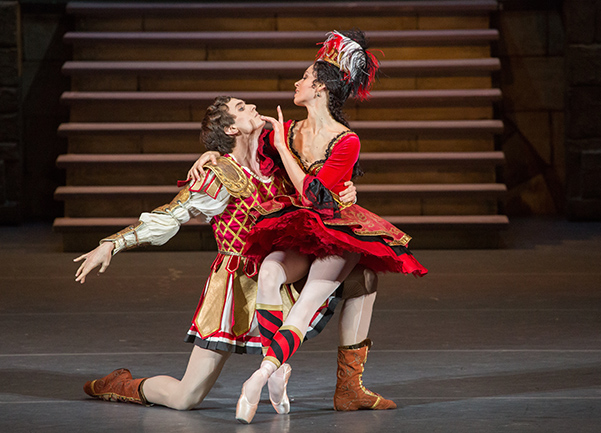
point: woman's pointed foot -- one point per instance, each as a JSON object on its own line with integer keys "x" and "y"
{"x": 245, "y": 411}
{"x": 277, "y": 389}
{"x": 250, "y": 396}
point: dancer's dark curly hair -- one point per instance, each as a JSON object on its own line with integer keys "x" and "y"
{"x": 216, "y": 119}
{"x": 339, "y": 89}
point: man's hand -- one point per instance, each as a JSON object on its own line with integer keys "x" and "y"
{"x": 99, "y": 256}
{"x": 349, "y": 195}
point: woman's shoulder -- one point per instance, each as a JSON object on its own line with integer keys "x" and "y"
{"x": 346, "y": 136}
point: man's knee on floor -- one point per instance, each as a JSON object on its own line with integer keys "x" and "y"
{"x": 186, "y": 401}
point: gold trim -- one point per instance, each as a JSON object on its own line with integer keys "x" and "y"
{"x": 342, "y": 205}
{"x": 269, "y": 307}
{"x": 404, "y": 240}
{"x": 385, "y": 234}
{"x": 331, "y": 56}
{"x": 120, "y": 235}
{"x": 367, "y": 342}
{"x": 294, "y": 329}
{"x": 273, "y": 360}
{"x": 182, "y": 196}
{"x": 142, "y": 395}
{"x": 213, "y": 189}
{"x": 232, "y": 177}
{"x": 378, "y": 399}
{"x": 230, "y": 253}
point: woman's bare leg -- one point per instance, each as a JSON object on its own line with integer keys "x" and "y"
{"x": 204, "y": 367}
{"x": 324, "y": 277}
{"x": 279, "y": 267}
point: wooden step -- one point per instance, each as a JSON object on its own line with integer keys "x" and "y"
{"x": 294, "y": 9}
{"x": 69, "y": 225}
{"x": 66, "y": 225}
{"x": 365, "y": 129}
{"x": 437, "y": 222}
{"x": 282, "y": 39}
{"x": 377, "y": 160}
{"x": 378, "y": 99}
{"x": 167, "y": 192}
{"x": 276, "y": 69}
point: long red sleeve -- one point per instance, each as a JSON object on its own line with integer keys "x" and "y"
{"x": 338, "y": 168}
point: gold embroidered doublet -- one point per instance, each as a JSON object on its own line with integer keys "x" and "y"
{"x": 247, "y": 191}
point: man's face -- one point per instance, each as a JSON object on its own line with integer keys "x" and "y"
{"x": 246, "y": 117}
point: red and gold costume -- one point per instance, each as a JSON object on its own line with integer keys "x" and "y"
{"x": 317, "y": 223}
{"x": 225, "y": 316}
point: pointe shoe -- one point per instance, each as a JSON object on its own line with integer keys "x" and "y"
{"x": 245, "y": 410}
{"x": 275, "y": 381}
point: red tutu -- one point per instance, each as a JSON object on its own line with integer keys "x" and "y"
{"x": 284, "y": 223}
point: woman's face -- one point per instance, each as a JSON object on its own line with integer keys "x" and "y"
{"x": 246, "y": 117}
{"x": 305, "y": 87}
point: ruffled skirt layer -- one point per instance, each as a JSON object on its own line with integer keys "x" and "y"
{"x": 284, "y": 223}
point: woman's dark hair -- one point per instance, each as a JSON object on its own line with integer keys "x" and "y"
{"x": 216, "y": 119}
{"x": 338, "y": 88}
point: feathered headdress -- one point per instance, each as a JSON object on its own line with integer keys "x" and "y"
{"x": 358, "y": 65}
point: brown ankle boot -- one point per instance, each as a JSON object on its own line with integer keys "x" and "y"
{"x": 350, "y": 393}
{"x": 117, "y": 386}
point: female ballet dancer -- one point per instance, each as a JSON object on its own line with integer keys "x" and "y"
{"x": 312, "y": 231}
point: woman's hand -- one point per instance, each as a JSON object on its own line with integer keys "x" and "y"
{"x": 196, "y": 173}
{"x": 349, "y": 195}
{"x": 278, "y": 130}
{"x": 101, "y": 255}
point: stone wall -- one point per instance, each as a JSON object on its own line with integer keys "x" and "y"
{"x": 43, "y": 27}
{"x": 10, "y": 137}
{"x": 531, "y": 50}
{"x": 583, "y": 110}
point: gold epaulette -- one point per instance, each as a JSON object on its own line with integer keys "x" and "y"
{"x": 232, "y": 177}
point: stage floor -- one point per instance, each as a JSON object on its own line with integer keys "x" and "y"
{"x": 504, "y": 340}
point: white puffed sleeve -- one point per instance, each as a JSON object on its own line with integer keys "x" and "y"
{"x": 160, "y": 225}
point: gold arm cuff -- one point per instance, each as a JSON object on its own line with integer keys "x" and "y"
{"x": 120, "y": 240}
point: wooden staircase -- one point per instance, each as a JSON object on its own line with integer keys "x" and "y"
{"x": 143, "y": 74}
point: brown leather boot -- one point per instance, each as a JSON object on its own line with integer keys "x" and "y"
{"x": 117, "y": 386}
{"x": 350, "y": 393}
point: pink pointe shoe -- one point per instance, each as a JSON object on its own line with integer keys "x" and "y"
{"x": 245, "y": 410}
{"x": 277, "y": 384}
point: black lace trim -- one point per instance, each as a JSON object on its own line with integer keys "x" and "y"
{"x": 329, "y": 149}
{"x": 320, "y": 197}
